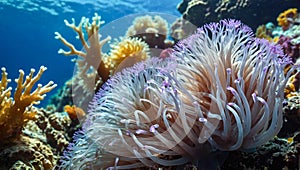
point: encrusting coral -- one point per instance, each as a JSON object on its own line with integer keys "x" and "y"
{"x": 16, "y": 110}
{"x": 41, "y": 142}
{"x": 200, "y": 12}
{"x": 27, "y": 153}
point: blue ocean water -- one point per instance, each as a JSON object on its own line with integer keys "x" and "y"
{"x": 27, "y": 31}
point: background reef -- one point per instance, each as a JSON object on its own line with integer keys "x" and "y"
{"x": 28, "y": 28}
{"x": 42, "y": 133}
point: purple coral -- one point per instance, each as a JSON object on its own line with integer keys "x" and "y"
{"x": 289, "y": 48}
{"x": 238, "y": 82}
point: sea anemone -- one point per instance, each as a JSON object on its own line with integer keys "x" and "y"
{"x": 137, "y": 120}
{"x": 238, "y": 82}
{"x": 125, "y": 53}
{"x": 220, "y": 89}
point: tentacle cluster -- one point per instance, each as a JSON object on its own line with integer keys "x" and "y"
{"x": 221, "y": 88}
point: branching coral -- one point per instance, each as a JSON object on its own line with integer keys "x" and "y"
{"x": 14, "y": 112}
{"x": 91, "y": 71}
{"x": 93, "y": 48}
{"x": 91, "y": 64}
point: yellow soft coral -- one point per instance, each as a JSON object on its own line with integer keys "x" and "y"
{"x": 261, "y": 32}
{"x": 126, "y": 53}
{"x": 290, "y": 87}
{"x": 14, "y": 112}
{"x": 284, "y": 17}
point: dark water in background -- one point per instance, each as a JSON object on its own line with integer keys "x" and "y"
{"x": 27, "y": 31}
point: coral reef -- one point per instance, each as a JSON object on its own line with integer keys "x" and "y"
{"x": 27, "y": 153}
{"x": 207, "y": 96}
{"x": 16, "y": 111}
{"x": 190, "y": 108}
{"x": 30, "y": 139}
{"x": 95, "y": 67}
{"x": 276, "y": 154}
{"x": 200, "y": 12}
{"x": 40, "y": 143}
